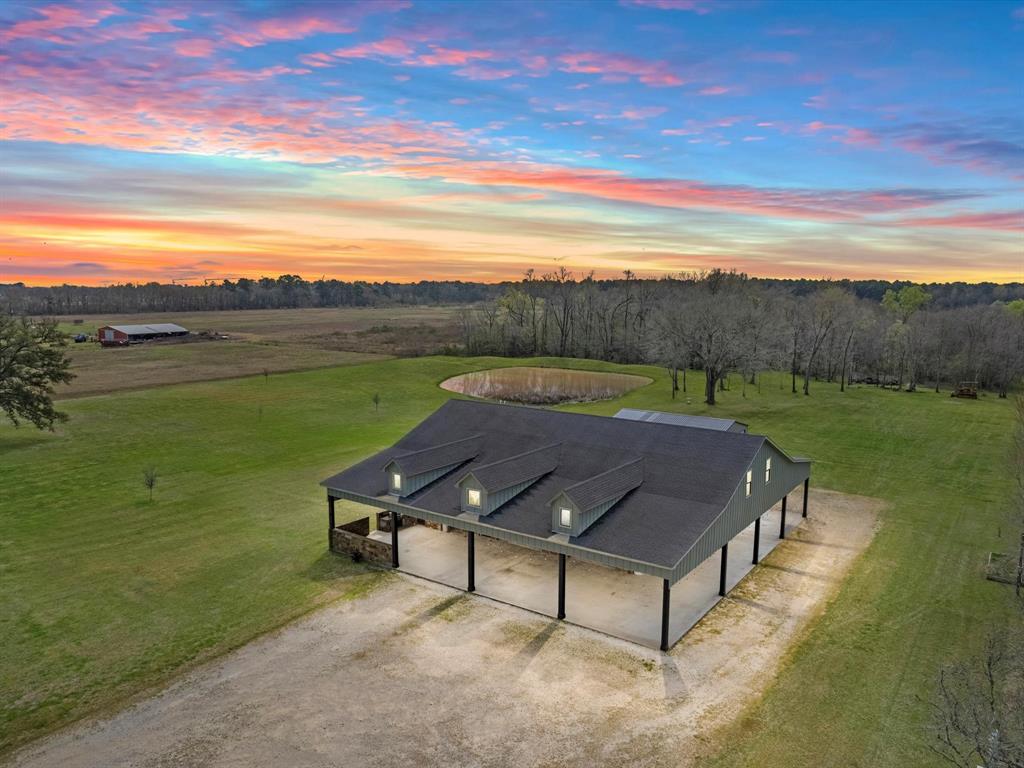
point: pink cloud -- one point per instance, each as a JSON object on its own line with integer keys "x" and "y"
{"x": 1010, "y": 221}
{"x": 618, "y": 67}
{"x": 635, "y": 113}
{"x": 860, "y": 137}
{"x": 451, "y": 57}
{"x": 810, "y": 204}
{"x": 694, "y": 6}
{"x": 391, "y": 47}
{"x": 714, "y": 90}
{"x": 57, "y": 18}
{"x": 477, "y": 72}
{"x": 194, "y": 47}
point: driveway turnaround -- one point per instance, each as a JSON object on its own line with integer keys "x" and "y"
{"x": 619, "y": 603}
{"x": 417, "y": 673}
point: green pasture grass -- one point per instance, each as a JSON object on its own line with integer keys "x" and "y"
{"x": 106, "y": 594}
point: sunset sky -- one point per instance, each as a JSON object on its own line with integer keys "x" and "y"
{"x": 420, "y": 140}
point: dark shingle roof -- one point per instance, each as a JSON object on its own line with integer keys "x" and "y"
{"x": 611, "y": 484}
{"x": 436, "y": 457}
{"x": 689, "y": 475}
{"x": 504, "y": 473}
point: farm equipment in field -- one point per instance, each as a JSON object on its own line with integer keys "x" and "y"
{"x": 968, "y": 389}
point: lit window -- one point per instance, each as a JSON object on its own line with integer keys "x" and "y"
{"x": 565, "y": 517}
{"x": 750, "y": 480}
{"x": 473, "y": 497}
{"x": 767, "y": 471}
{"x": 396, "y": 481}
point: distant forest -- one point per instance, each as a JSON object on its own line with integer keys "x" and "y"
{"x": 291, "y": 292}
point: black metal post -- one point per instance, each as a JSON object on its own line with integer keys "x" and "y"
{"x": 330, "y": 519}
{"x": 807, "y": 486}
{"x": 757, "y": 539}
{"x": 471, "y": 557}
{"x": 561, "y": 585}
{"x": 396, "y": 520}
{"x": 782, "y": 525}
{"x": 666, "y": 594}
{"x": 722, "y": 573}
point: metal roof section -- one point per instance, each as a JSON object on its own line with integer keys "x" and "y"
{"x": 142, "y": 330}
{"x": 448, "y": 454}
{"x": 681, "y": 420}
{"x": 521, "y": 468}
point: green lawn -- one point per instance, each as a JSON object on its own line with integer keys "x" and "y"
{"x": 106, "y": 594}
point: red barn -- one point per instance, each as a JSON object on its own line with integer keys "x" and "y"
{"x": 120, "y": 335}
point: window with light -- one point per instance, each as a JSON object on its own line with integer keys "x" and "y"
{"x": 565, "y": 517}
{"x": 396, "y": 481}
{"x": 750, "y": 480}
{"x": 767, "y": 471}
{"x": 473, "y": 497}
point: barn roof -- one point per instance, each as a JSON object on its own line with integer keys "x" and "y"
{"x": 142, "y": 330}
{"x": 688, "y": 474}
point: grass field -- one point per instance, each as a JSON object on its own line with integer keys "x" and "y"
{"x": 106, "y": 594}
{"x": 274, "y": 340}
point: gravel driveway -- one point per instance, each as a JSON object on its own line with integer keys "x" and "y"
{"x": 419, "y": 674}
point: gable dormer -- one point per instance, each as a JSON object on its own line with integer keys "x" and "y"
{"x": 579, "y": 506}
{"x": 409, "y": 471}
{"x": 485, "y": 488}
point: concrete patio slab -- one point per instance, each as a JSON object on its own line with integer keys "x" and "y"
{"x": 617, "y": 603}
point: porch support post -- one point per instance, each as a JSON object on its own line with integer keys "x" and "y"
{"x": 666, "y": 595}
{"x": 471, "y": 559}
{"x": 722, "y": 572}
{"x": 330, "y": 519}
{"x": 782, "y": 525}
{"x": 396, "y": 520}
{"x": 561, "y": 585}
{"x": 757, "y": 538}
{"x": 807, "y": 485}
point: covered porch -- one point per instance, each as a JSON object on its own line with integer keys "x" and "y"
{"x": 639, "y": 608}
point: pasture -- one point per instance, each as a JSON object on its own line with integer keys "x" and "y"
{"x": 107, "y": 594}
{"x": 274, "y": 340}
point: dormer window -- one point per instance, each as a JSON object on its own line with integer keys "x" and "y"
{"x": 473, "y": 497}
{"x": 767, "y": 471}
{"x": 396, "y": 481}
{"x": 750, "y": 481}
{"x": 565, "y": 517}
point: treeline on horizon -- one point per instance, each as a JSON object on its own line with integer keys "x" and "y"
{"x": 725, "y": 324}
{"x": 293, "y": 292}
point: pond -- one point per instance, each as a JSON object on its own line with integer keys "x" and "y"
{"x": 543, "y": 386}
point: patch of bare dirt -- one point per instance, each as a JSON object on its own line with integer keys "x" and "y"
{"x": 420, "y": 674}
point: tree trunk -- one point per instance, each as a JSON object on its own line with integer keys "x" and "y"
{"x": 710, "y": 380}
{"x": 684, "y": 379}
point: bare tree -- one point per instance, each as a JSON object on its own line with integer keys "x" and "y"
{"x": 978, "y": 709}
{"x": 821, "y": 310}
{"x": 149, "y": 480}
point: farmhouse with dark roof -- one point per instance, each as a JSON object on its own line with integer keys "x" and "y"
{"x": 641, "y": 496}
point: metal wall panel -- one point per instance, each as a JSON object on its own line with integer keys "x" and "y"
{"x": 742, "y": 510}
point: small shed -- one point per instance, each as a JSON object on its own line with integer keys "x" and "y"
{"x": 120, "y": 335}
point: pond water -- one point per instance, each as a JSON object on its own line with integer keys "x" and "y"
{"x": 543, "y": 386}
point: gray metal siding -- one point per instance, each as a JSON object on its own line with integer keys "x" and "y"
{"x": 412, "y": 483}
{"x": 742, "y": 510}
{"x": 512, "y": 537}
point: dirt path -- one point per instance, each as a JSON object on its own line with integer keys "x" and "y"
{"x": 419, "y": 674}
